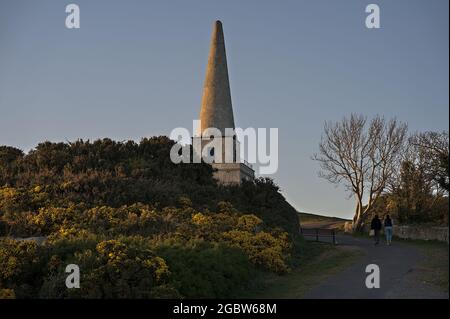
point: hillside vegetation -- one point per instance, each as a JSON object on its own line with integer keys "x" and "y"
{"x": 137, "y": 225}
{"x": 309, "y": 220}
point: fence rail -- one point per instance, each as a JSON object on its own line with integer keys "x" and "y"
{"x": 318, "y": 233}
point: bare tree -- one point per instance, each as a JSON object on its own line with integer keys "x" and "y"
{"x": 363, "y": 156}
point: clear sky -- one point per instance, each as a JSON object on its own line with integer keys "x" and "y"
{"x": 136, "y": 69}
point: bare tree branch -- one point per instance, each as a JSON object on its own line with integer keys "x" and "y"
{"x": 361, "y": 155}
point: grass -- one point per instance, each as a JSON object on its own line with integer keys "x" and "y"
{"x": 315, "y": 263}
{"x": 435, "y": 267}
{"x": 316, "y": 221}
{"x": 312, "y": 218}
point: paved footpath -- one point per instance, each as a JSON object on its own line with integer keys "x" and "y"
{"x": 398, "y": 267}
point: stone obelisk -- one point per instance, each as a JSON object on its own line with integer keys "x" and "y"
{"x": 217, "y": 113}
{"x": 217, "y": 110}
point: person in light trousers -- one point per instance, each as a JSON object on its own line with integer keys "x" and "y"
{"x": 388, "y": 229}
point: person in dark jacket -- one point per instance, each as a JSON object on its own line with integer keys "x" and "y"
{"x": 388, "y": 229}
{"x": 375, "y": 225}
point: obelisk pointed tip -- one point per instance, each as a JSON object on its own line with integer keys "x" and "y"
{"x": 218, "y": 27}
{"x": 217, "y": 34}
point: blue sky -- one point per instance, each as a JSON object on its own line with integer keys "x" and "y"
{"x": 136, "y": 68}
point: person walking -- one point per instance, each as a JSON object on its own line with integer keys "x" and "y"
{"x": 375, "y": 225}
{"x": 388, "y": 229}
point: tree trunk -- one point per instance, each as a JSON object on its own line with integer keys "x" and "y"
{"x": 357, "y": 219}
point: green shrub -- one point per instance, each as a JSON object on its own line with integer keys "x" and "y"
{"x": 137, "y": 225}
{"x": 206, "y": 270}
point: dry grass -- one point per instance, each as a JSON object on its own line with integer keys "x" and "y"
{"x": 317, "y": 221}
{"x": 435, "y": 267}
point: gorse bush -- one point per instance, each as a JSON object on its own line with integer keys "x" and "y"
{"x": 111, "y": 270}
{"x": 206, "y": 270}
{"x": 137, "y": 225}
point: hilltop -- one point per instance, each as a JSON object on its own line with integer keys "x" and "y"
{"x": 309, "y": 220}
{"x": 138, "y": 225}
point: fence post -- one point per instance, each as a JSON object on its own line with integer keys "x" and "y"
{"x": 334, "y": 238}
{"x": 317, "y": 234}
